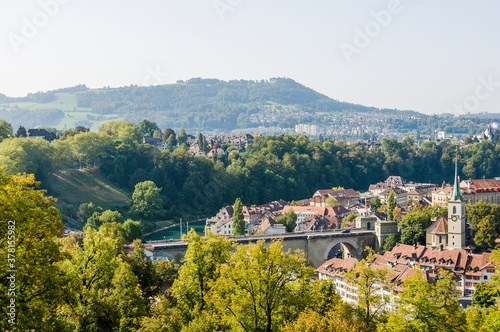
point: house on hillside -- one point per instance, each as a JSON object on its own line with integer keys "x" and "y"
{"x": 269, "y": 226}
{"x": 215, "y": 152}
{"x": 472, "y": 191}
{"x": 400, "y": 195}
{"x": 41, "y": 133}
{"x": 307, "y": 211}
{"x": 416, "y": 194}
{"x": 318, "y": 223}
{"x": 253, "y": 214}
{"x": 343, "y": 197}
{"x": 390, "y": 183}
{"x": 221, "y": 223}
{"x": 216, "y": 223}
{"x": 158, "y": 142}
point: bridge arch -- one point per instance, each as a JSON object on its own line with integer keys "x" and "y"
{"x": 348, "y": 245}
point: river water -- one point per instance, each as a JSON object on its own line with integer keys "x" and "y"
{"x": 174, "y": 233}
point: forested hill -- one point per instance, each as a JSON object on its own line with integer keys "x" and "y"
{"x": 194, "y": 104}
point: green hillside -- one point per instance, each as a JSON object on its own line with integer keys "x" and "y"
{"x": 196, "y": 104}
{"x": 87, "y": 185}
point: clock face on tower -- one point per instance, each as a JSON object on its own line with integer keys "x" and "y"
{"x": 454, "y": 218}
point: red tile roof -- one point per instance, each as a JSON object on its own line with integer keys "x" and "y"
{"x": 440, "y": 227}
{"x": 484, "y": 185}
{"x": 338, "y": 265}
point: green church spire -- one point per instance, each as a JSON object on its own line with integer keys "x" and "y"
{"x": 456, "y": 196}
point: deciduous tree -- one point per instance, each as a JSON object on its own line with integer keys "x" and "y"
{"x": 254, "y": 285}
{"x": 153, "y": 276}
{"x": 105, "y": 293}
{"x": 147, "y": 203}
{"x": 425, "y": 306}
{"x": 29, "y": 245}
{"x": 5, "y": 129}
{"x": 375, "y": 203}
{"x": 370, "y": 302}
{"x": 201, "y": 267}
{"x": 132, "y": 230}
{"x": 289, "y": 219}
{"x": 484, "y": 219}
{"x": 331, "y": 201}
{"x": 148, "y": 128}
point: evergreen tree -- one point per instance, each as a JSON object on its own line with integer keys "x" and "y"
{"x": 238, "y": 221}
{"x": 182, "y": 137}
{"x": 391, "y": 205}
{"x": 200, "y": 141}
{"x": 171, "y": 143}
{"x": 21, "y": 132}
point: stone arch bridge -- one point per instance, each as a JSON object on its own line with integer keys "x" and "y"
{"x": 317, "y": 246}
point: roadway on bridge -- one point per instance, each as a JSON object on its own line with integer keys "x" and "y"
{"x": 353, "y": 232}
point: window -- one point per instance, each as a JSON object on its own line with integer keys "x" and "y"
{"x": 485, "y": 277}
{"x": 454, "y": 210}
{"x": 490, "y": 270}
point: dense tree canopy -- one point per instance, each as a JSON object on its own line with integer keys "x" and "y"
{"x": 273, "y": 167}
{"x": 255, "y": 285}
{"x": 147, "y": 201}
{"x": 484, "y": 219}
{"x": 29, "y": 245}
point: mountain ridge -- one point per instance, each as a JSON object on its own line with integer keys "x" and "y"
{"x": 197, "y": 103}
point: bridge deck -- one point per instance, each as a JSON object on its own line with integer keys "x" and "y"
{"x": 173, "y": 244}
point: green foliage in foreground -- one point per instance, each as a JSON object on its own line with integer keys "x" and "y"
{"x": 88, "y": 283}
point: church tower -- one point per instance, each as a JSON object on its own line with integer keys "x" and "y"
{"x": 456, "y": 217}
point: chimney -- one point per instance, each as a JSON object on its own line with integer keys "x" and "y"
{"x": 414, "y": 247}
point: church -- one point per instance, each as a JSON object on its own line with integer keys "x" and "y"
{"x": 449, "y": 231}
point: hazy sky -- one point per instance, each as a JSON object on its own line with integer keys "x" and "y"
{"x": 422, "y": 55}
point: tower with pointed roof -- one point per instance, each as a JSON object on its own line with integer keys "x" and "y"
{"x": 456, "y": 216}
